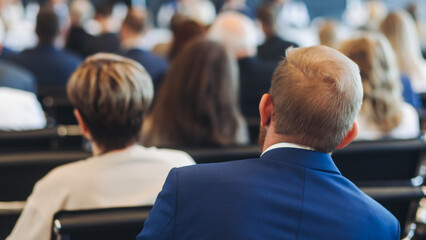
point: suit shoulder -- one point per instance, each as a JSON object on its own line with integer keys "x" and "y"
{"x": 222, "y": 170}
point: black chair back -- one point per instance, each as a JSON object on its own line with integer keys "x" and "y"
{"x": 373, "y": 161}
{"x": 60, "y": 137}
{"x": 56, "y": 104}
{"x": 8, "y": 218}
{"x": 19, "y": 172}
{"x": 123, "y": 223}
{"x": 213, "y": 155}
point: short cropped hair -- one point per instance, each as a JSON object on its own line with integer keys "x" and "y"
{"x": 112, "y": 94}
{"x": 136, "y": 20}
{"x": 316, "y": 94}
{"x": 266, "y": 14}
{"x": 235, "y": 31}
{"x": 47, "y": 25}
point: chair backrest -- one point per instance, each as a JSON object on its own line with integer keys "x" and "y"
{"x": 373, "y": 161}
{"x": 19, "y": 172}
{"x": 401, "y": 201}
{"x": 212, "y": 155}
{"x": 8, "y": 219}
{"x": 56, "y": 104}
{"x": 60, "y": 137}
{"x": 108, "y": 223}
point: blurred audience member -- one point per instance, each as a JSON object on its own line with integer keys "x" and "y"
{"x": 50, "y": 65}
{"x": 376, "y": 12}
{"x": 120, "y": 173}
{"x": 413, "y": 10}
{"x": 328, "y": 32}
{"x": 293, "y": 22}
{"x": 104, "y": 30}
{"x": 197, "y": 103}
{"x": 81, "y": 11}
{"x": 13, "y": 76}
{"x": 4, "y": 51}
{"x": 132, "y": 31}
{"x": 383, "y": 114}
{"x": 20, "y": 28}
{"x": 400, "y": 29}
{"x": 184, "y": 32}
{"x": 202, "y": 11}
{"x": 238, "y": 6}
{"x": 163, "y": 49}
{"x": 238, "y": 33}
{"x": 20, "y": 110}
{"x": 274, "y": 47}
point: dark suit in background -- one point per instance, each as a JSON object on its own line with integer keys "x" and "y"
{"x": 255, "y": 80}
{"x": 273, "y": 49}
{"x": 77, "y": 41}
{"x": 286, "y": 194}
{"x": 13, "y": 76}
{"x": 155, "y": 66}
{"x": 50, "y": 66}
{"x": 105, "y": 42}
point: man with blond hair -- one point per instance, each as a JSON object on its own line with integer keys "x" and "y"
{"x": 293, "y": 190}
{"x": 111, "y": 95}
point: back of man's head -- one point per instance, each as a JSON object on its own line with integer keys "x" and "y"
{"x": 47, "y": 26}
{"x": 237, "y": 32}
{"x": 135, "y": 20}
{"x": 316, "y": 94}
{"x": 103, "y": 8}
{"x": 266, "y": 15}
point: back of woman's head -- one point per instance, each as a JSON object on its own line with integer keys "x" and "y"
{"x": 380, "y": 79}
{"x": 400, "y": 30}
{"x": 112, "y": 94}
{"x": 197, "y": 103}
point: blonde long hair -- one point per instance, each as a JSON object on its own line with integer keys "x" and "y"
{"x": 380, "y": 79}
{"x": 401, "y": 32}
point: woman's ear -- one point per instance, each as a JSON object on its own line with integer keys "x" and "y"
{"x": 349, "y": 137}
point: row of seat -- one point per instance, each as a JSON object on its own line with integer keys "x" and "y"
{"x": 388, "y": 171}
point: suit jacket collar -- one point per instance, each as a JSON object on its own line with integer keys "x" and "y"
{"x": 305, "y": 158}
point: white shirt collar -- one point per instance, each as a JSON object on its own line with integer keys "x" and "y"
{"x": 287, "y": 145}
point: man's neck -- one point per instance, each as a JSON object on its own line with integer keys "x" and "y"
{"x": 133, "y": 41}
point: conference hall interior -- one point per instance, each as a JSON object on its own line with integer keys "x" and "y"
{"x": 173, "y": 83}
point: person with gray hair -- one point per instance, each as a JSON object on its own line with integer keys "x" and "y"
{"x": 239, "y": 35}
{"x": 293, "y": 190}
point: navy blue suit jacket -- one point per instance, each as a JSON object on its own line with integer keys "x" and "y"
{"x": 285, "y": 194}
{"x": 155, "y": 66}
{"x": 13, "y": 76}
{"x": 273, "y": 49}
{"x": 49, "y": 65}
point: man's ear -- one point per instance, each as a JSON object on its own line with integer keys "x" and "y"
{"x": 265, "y": 110}
{"x": 350, "y": 136}
{"x": 82, "y": 124}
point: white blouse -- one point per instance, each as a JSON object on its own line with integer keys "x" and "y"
{"x": 130, "y": 177}
{"x": 408, "y": 128}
